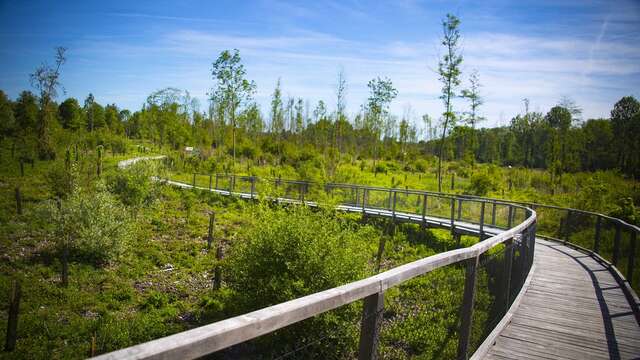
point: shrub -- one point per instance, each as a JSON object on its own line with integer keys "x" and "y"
{"x": 294, "y": 252}
{"x": 134, "y": 185}
{"x": 481, "y": 184}
{"x": 93, "y": 225}
{"x": 380, "y": 168}
{"x": 421, "y": 165}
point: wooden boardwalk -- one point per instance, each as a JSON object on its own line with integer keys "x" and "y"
{"x": 572, "y": 309}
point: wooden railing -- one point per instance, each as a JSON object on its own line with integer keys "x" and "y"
{"x": 460, "y": 214}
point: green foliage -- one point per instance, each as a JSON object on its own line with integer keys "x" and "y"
{"x": 294, "y": 252}
{"x": 92, "y": 224}
{"x": 134, "y": 185}
{"x": 481, "y": 184}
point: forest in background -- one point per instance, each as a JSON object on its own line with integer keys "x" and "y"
{"x": 109, "y": 258}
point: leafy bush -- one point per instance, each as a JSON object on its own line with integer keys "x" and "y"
{"x": 381, "y": 168}
{"x": 294, "y": 252}
{"x": 481, "y": 184}
{"x": 134, "y": 185}
{"x": 93, "y": 225}
{"x": 421, "y": 165}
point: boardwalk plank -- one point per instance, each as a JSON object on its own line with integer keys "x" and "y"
{"x": 573, "y": 309}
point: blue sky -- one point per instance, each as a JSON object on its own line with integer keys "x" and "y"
{"x": 123, "y": 50}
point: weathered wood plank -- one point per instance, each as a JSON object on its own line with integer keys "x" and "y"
{"x": 573, "y": 309}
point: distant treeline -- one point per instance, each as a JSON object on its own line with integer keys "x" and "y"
{"x": 554, "y": 141}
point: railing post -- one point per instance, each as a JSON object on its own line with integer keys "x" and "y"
{"x": 493, "y": 213}
{"x": 357, "y": 196}
{"x": 394, "y": 205}
{"x": 631, "y": 258}
{"x": 390, "y": 196}
{"x": 616, "y": 245}
{"x": 232, "y": 184}
{"x": 253, "y": 185}
{"x": 532, "y": 238}
{"x": 482, "y": 221}
{"x": 459, "y": 209}
{"x": 301, "y": 190}
{"x": 567, "y": 226}
{"x": 210, "y": 181}
{"x": 365, "y": 191}
{"x": 510, "y": 217}
{"x": 508, "y": 268}
{"x": 466, "y": 312}
{"x": 453, "y": 211}
{"x": 216, "y": 181}
{"x": 596, "y": 242}
{"x": 424, "y": 211}
{"x": 370, "y": 326}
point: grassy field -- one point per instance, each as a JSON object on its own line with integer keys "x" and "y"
{"x": 162, "y": 283}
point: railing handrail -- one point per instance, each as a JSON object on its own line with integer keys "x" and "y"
{"x": 213, "y": 337}
{"x": 469, "y": 197}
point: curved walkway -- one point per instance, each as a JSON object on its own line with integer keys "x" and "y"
{"x": 573, "y": 308}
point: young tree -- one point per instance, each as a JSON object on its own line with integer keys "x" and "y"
{"x": 277, "y": 118}
{"x": 232, "y": 88}
{"x": 299, "y": 108}
{"x": 449, "y": 71}
{"x": 472, "y": 94}
{"x": 88, "y": 110}
{"x": 70, "y": 114}
{"x": 320, "y": 112}
{"x": 341, "y": 104}
{"x": 46, "y": 79}
{"x": 382, "y": 93}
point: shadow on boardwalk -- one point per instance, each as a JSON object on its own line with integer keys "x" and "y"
{"x": 573, "y": 309}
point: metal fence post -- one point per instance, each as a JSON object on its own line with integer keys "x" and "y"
{"x": 508, "y": 268}
{"x": 567, "y": 227}
{"x": 510, "y": 217}
{"x": 482, "y": 221}
{"x": 424, "y": 211}
{"x": 253, "y": 185}
{"x": 370, "y": 326}
{"x": 616, "y": 245}
{"x": 210, "y": 181}
{"x": 459, "y": 209}
{"x": 466, "y": 312}
{"x": 394, "y": 205}
{"x": 453, "y": 211}
{"x": 596, "y": 241}
{"x": 493, "y": 213}
{"x": 365, "y": 191}
{"x": 631, "y": 258}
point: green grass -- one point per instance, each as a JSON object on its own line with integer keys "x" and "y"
{"x": 162, "y": 285}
